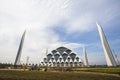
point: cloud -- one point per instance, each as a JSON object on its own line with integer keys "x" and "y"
{"x": 81, "y": 24}
{"x": 39, "y": 18}
{"x": 85, "y": 14}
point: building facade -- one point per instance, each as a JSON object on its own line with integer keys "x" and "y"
{"x": 62, "y": 57}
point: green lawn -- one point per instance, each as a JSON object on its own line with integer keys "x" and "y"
{"x": 38, "y": 75}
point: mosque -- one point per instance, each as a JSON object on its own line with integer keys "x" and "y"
{"x": 62, "y": 57}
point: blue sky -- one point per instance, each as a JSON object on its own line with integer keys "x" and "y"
{"x": 54, "y": 23}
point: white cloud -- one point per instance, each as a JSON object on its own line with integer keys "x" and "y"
{"x": 86, "y": 13}
{"x": 80, "y": 24}
{"x": 39, "y": 17}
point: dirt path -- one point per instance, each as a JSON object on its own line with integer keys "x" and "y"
{"x": 97, "y": 73}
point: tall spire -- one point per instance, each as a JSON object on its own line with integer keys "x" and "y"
{"x": 85, "y": 57}
{"x": 107, "y": 51}
{"x": 17, "y": 60}
{"x": 46, "y": 52}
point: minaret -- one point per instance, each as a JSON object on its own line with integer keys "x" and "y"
{"x": 17, "y": 60}
{"x": 27, "y": 60}
{"x": 107, "y": 51}
{"x": 46, "y": 56}
{"x": 85, "y": 58}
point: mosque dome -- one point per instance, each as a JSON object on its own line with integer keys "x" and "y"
{"x": 62, "y": 57}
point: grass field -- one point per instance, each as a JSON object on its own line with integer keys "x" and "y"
{"x": 100, "y": 70}
{"x": 38, "y": 75}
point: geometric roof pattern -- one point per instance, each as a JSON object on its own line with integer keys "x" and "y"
{"x": 62, "y": 54}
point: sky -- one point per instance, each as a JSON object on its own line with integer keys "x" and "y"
{"x": 50, "y": 24}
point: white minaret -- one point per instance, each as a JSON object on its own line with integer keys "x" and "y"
{"x": 17, "y": 60}
{"x": 107, "y": 51}
{"x": 27, "y": 60}
{"x": 85, "y": 57}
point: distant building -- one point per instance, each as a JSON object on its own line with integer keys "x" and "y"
{"x": 62, "y": 57}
